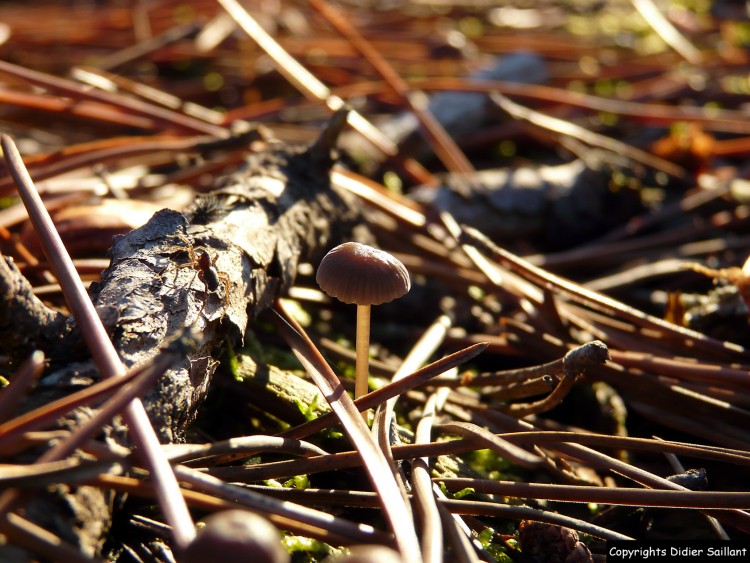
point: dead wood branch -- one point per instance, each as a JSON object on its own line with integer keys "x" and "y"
{"x": 279, "y": 210}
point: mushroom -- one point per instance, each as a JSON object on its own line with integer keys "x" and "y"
{"x": 359, "y": 274}
{"x": 236, "y": 536}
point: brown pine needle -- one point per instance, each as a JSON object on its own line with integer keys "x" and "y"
{"x": 375, "y": 463}
{"x": 589, "y": 137}
{"x": 303, "y": 79}
{"x": 473, "y": 239}
{"x": 379, "y": 396}
{"x": 20, "y": 384}
{"x": 442, "y": 143}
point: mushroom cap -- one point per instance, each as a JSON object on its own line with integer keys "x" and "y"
{"x": 363, "y": 275}
{"x": 236, "y": 536}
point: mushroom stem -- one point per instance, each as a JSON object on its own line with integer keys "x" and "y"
{"x": 363, "y": 350}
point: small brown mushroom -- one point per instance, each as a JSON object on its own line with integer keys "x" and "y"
{"x": 359, "y": 274}
{"x": 236, "y": 536}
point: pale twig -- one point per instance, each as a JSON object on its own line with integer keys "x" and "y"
{"x": 432, "y": 528}
{"x": 303, "y": 79}
{"x": 667, "y": 31}
{"x": 47, "y": 474}
{"x": 114, "y": 83}
{"x": 245, "y": 445}
{"x": 570, "y": 129}
{"x": 344, "y": 460}
{"x": 143, "y": 48}
{"x": 428, "y": 494}
{"x": 417, "y": 356}
{"x": 375, "y": 194}
{"x": 465, "y": 507}
{"x": 265, "y": 504}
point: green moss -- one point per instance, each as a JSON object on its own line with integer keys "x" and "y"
{"x": 305, "y": 550}
{"x": 495, "y": 547}
{"x": 6, "y": 202}
{"x": 309, "y": 410}
{"x": 298, "y": 482}
{"x": 232, "y": 363}
{"x": 468, "y": 491}
{"x": 489, "y": 464}
{"x": 283, "y": 359}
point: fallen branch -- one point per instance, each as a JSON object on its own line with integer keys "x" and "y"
{"x": 255, "y": 229}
